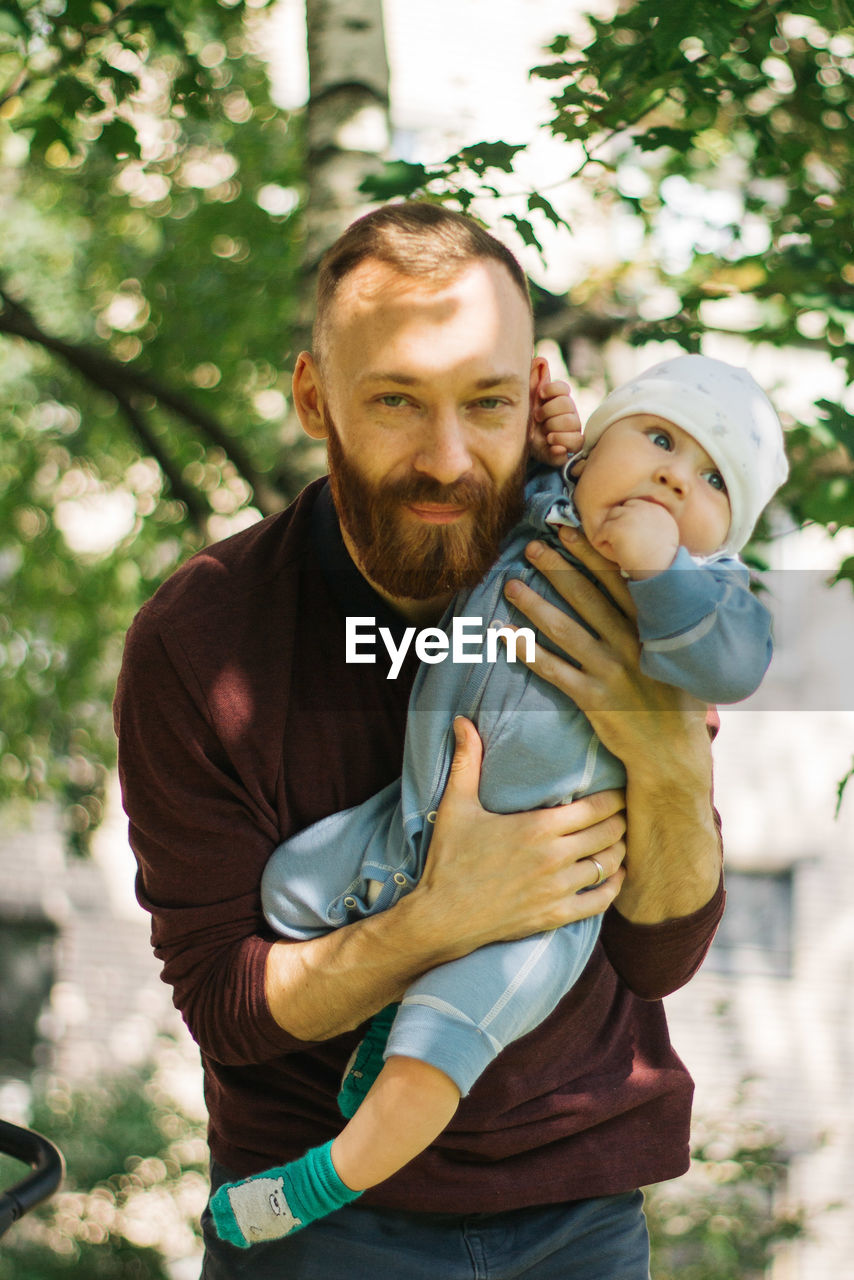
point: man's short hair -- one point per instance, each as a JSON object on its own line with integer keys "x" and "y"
{"x": 416, "y": 238}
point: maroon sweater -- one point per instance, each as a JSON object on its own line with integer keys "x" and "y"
{"x": 239, "y": 723}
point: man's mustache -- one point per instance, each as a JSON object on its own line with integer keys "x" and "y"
{"x": 465, "y": 492}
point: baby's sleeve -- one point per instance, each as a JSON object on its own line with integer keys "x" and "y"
{"x": 702, "y": 629}
{"x": 322, "y": 878}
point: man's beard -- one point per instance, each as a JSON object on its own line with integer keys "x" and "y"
{"x": 417, "y": 561}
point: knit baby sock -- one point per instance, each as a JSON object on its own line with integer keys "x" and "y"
{"x": 275, "y": 1203}
{"x": 366, "y": 1062}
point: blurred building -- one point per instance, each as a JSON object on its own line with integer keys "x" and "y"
{"x": 79, "y": 986}
{"x": 771, "y": 1013}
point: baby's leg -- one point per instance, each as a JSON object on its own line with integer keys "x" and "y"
{"x": 409, "y": 1105}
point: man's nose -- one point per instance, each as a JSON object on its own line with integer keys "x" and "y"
{"x": 443, "y": 451}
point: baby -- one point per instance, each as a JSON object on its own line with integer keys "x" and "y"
{"x": 671, "y": 475}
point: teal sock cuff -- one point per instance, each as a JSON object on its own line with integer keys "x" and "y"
{"x": 321, "y": 1177}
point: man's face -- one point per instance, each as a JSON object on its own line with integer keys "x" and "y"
{"x": 425, "y": 401}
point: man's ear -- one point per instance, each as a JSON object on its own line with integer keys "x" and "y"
{"x": 539, "y": 376}
{"x": 307, "y": 393}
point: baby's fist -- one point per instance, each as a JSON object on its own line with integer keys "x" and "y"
{"x": 557, "y": 426}
{"x": 641, "y": 536}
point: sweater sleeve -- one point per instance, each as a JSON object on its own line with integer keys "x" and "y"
{"x": 654, "y": 960}
{"x": 201, "y": 839}
{"x": 702, "y": 629}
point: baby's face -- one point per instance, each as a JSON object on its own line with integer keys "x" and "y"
{"x": 645, "y": 457}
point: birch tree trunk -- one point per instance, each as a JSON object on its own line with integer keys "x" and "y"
{"x": 347, "y": 122}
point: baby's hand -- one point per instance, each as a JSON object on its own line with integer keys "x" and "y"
{"x": 557, "y": 426}
{"x": 642, "y": 537}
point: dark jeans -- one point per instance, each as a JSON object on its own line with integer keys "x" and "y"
{"x": 601, "y": 1239}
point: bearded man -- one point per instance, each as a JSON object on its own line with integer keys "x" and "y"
{"x": 240, "y": 723}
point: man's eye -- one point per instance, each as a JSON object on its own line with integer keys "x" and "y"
{"x": 393, "y": 401}
{"x": 661, "y": 440}
{"x": 489, "y": 402}
{"x": 716, "y": 480}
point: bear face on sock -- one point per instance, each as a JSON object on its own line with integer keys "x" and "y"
{"x": 261, "y": 1210}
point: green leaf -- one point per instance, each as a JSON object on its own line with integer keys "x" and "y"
{"x": 846, "y": 571}
{"x": 525, "y": 230}
{"x": 839, "y": 422}
{"x": 123, "y": 82}
{"x": 539, "y": 202}
{"x": 73, "y": 96}
{"x": 47, "y": 131}
{"x": 489, "y": 155}
{"x": 120, "y": 138}
{"x": 78, "y": 13}
{"x": 665, "y": 136}
{"x": 556, "y": 70}
{"x": 396, "y": 178}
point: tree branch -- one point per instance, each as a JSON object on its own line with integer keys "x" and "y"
{"x": 197, "y": 509}
{"x": 109, "y": 374}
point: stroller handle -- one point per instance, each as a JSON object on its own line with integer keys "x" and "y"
{"x": 47, "y": 1167}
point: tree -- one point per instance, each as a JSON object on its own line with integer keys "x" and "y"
{"x": 154, "y": 228}
{"x": 135, "y": 1184}
{"x": 740, "y": 111}
{"x": 347, "y": 122}
{"x": 160, "y": 215}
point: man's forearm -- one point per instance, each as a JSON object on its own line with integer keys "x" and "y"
{"x": 329, "y": 985}
{"x": 673, "y": 858}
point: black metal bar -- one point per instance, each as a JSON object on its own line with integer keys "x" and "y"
{"x": 47, "y": 1166}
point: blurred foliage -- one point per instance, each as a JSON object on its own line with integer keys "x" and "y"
{"x": 135, "y": 1185}
{"x": 729, "y": 119}
{"x": 729, "y": 1216}
{"x": 150, "y": 247}
{"x": 149, "y": 256}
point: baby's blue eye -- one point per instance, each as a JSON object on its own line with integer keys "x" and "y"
{"x": 716, "y": 480}
{"x": 661, "y": 439}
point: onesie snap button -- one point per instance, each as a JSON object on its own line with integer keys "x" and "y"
{"x": 432, "y": 815}
{"x": 349, "y": 902}
{"x": 399, "y": 877}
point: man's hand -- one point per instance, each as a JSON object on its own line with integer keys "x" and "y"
{"x": 659, "y": 732}
{"x": 490, "y": 877}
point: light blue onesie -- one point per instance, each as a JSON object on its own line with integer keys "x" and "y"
{"x": 701, "y": 629}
